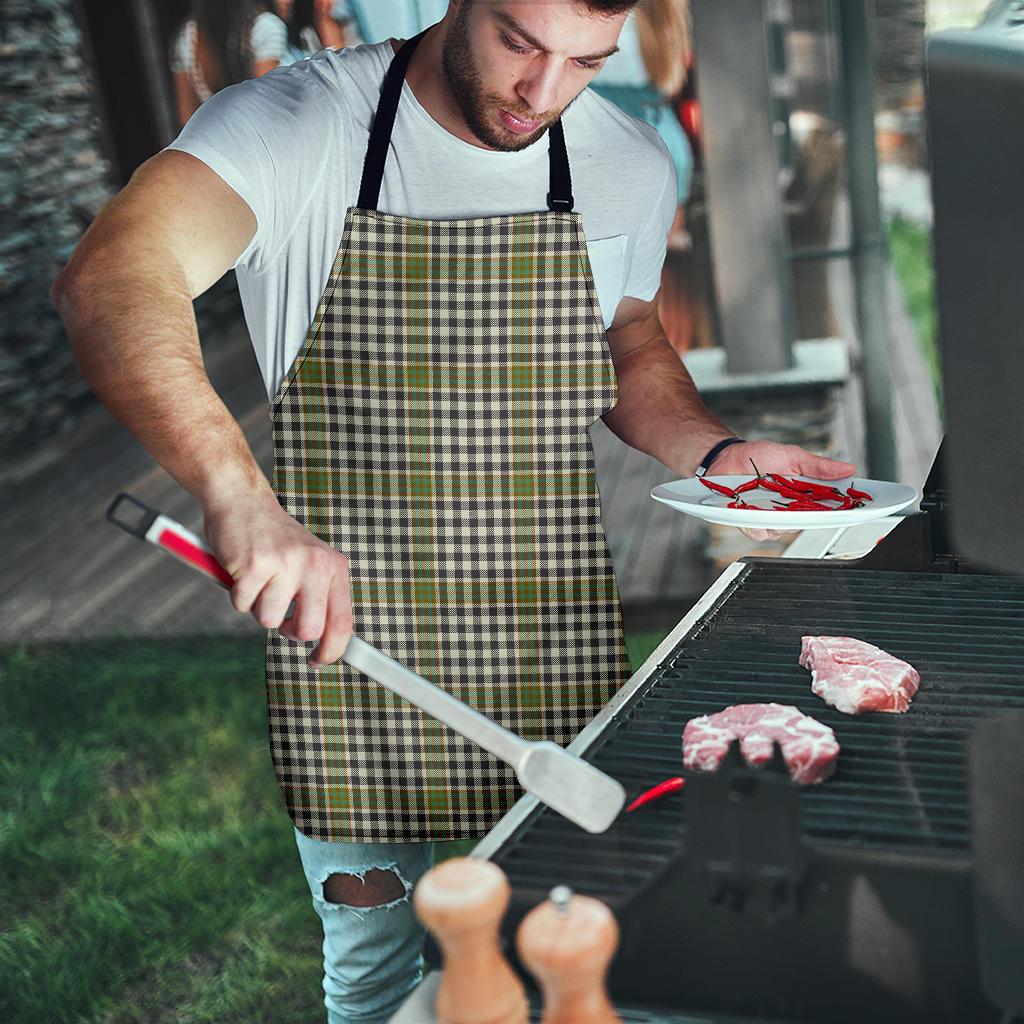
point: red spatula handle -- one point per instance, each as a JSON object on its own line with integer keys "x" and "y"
{"x": 147, "y": 524}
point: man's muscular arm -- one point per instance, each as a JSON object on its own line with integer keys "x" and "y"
{"x": 126, "y": 301}
{"x": 659, "y": 410}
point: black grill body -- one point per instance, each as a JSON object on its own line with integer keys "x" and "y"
{"x": 847, "y": 901}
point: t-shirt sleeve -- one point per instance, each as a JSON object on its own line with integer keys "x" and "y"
{"x": 269, "y": 37}
{"x": 652, "y": 238}
{"x": 269, "y": 139}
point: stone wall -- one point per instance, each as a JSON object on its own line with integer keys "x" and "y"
{"x": 54, "y": 178}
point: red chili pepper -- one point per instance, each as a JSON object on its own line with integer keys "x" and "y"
{"x": 862, "y": 495}
{"x": 807, "y": 506}
{"x": 786, "y": 492}
{"x": 760, "y": 476}
{"x": 656, "y": 792}
{"x": 809, "y": 487}
{"x": 721, "y": 489}
{"x": 750, "y": 485}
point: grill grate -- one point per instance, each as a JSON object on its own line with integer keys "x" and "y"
{"x": 901, "y": 784}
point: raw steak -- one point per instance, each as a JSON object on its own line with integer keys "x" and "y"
{"x": 808, "y": 747}
{"x": 855, "y": 677}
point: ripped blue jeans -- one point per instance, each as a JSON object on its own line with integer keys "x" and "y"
{"x": 373, "y": 956}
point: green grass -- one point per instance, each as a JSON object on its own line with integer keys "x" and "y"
{"x": 910, "y": 248}
{"x": 149, "y": 871}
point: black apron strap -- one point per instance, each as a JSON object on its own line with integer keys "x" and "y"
{"x": 559, "y": 187}
{"x": 383, "y": 122}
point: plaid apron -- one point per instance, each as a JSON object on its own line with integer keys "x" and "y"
{"x": 433, "y": 428}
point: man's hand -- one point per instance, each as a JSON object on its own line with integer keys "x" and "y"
{"x": 274, "y": 559}
{"x": 771, "y": 457}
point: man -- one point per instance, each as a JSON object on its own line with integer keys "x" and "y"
{"x": 431, "y": 381}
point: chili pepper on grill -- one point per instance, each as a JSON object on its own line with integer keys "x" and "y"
{"x": 656, "y": 792}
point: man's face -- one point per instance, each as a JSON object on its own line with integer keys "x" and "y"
{"x": 513, "y": 66}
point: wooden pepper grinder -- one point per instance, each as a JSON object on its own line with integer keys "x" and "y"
{"x": 567, "y": 943}
{"x": 462, "y": 901}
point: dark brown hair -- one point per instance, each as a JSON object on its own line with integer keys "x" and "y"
{"x": 225, "y": 26}
{"x": 302, "y": 17}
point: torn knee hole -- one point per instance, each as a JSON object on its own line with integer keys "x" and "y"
{"x": 373, "y": 889}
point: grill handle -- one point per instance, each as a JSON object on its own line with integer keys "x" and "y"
{"x": 744, "y": 835}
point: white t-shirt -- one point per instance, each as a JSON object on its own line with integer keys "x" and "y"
{"x": 292, "y": 143}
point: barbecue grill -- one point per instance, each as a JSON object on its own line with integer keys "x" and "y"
{"x": 894, "y": 891}
{"x": 748, "y": 896}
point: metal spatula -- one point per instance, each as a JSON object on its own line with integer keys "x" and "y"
{"x": 567, "y": 784}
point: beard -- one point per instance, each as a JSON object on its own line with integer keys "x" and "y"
{"x": 479, "y": 108}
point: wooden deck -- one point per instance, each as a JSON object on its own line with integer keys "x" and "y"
{"x": 68, "y": 573}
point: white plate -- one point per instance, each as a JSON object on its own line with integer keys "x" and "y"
{"x": 693, "y": 498}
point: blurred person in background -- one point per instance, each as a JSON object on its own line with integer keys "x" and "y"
{"x": 223, "y": 42}
{"x": 647, "y": 75}
{"x": 645, "y": 78}
{"x": 314, "y": 25}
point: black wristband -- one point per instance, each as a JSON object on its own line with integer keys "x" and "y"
{"x": 705, "y": 463}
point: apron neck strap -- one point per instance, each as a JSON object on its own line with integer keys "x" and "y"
{"x": 560, "y": 186}
{"x": 559, "y": 196}
{"x": 383, "y": 122}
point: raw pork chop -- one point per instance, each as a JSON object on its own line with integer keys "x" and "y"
{"x": 808, "y": 747}
{"x": 855, "y": 677}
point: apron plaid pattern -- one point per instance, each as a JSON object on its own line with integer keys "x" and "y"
{"x": 434, "y": 429}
